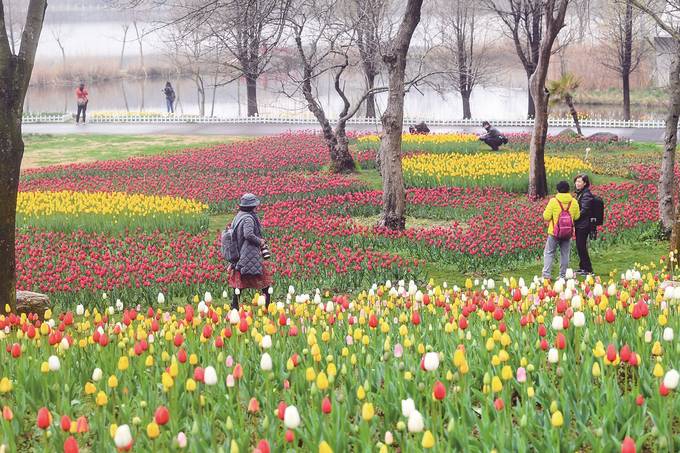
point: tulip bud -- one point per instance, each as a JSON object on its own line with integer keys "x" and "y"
{"x": 291, "y": 417}
{"x": 431, "y": 361}
{"x": 553, "y": 355}
{"x": 670, "y": 380}
{"x": 123, "y": 438}
{"x": 210, "y": 376}
{"x": 53, "y": 363}
{"x": 181, "y": 440}
{"x": 668, "y": 334}
{"x": 579, "y": 319}
{"x": 415, "y": 423}
{"x": 266, "y": 362}
{"x": 407, "y": 406}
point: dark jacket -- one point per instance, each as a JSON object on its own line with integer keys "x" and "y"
{"x": 585, "y": 203}
{"x": 248, "y": 238}
{"x": 491, "y": 133}
{"x": 169, "y": 93}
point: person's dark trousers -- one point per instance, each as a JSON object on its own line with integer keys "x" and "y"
{"x": 493, "y": 142}
{"x": 169, "y": 105}
{"x": 81, "y": 109}
{"x": 582, "y": 249}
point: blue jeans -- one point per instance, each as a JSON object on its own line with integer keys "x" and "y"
{"x": 168, "y": 103}
{"x": 549, "y": 255}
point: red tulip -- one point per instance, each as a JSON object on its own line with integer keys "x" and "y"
{"x": 628, "y": 445}
{"x": 281, "y": 410}
{"x": 639, "y": 400}
{"x": 415, "y": 317}
{"x": 178, "y": 340}
{"x": 71, "y": 445}
{"x": 16, "y": 350}
{"x": 44, "y": 418}
{"x": 609, "y": 316}
{"x": 560, "y": 341}
{"x": 326, "y": 406}
{"x": 263, "y": 446}
{"x": 162, "y": 415}
{"x": 373, "y": 321}
{"x": 611, "y": 353}
{"x": 439, "y": 391}
{"x": 290, "y": 436}
{"x": 65, "y": 423}
{"x": 499, "y": 404}
{"x": 625, "y": 353}
{"x": 7, "y": 413}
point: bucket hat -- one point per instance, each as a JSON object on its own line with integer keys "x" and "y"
{"x": 249, "y": 200}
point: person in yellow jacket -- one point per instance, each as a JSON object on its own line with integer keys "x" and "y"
{"x": 562, "y": 201}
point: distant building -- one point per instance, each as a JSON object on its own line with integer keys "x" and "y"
{"x": 664, "y": 49}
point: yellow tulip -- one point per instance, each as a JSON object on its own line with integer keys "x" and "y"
{"x": 152, "y": 430}
{"x": 367, "y": 411}
{"x": 428, "y": 440}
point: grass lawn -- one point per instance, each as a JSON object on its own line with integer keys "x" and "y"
{"x": 45, "y": 149}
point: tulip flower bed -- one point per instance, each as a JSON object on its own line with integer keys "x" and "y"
{"x": 421, "y": 142}
{"x": 505, "y": 170}
{"x": 517, "y": 366}
{"x": 109, "y": 211}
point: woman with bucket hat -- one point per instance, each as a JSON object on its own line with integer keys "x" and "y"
{"x": 248, "y": 268}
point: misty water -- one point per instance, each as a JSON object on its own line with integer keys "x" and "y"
{"x": 495, "y": 102}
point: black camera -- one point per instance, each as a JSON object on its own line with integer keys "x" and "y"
{"x": 266, "y": 254}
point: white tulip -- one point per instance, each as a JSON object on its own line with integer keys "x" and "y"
{"x": 291, "y": 290}
{"x": 230, "y": 380}
{"x": 202, "y": 307}
{"x": 234, "y": 317}
{"x": 266, "y": 342}
{"x": 611, "y": 291}
{"x": 598, "y": 290}
{"x": 670, "y": 380}
{"x": 569, "y": 274}
{"x": 416, "y": 424}
{"x": 389, "y": 439}
{"x": 579, "y": 319}
{"x": 330, "y": 308}
{"x": 53, "y": 363}
{"x": 491, "y": 284}
{"x": 407, "y": 406}
{"x": 119, "y": 305}
{"x": 266, "y": 362}
{"x": 80, "y": 310}
{"x": 210, "y": 376}
{"x": 576, "y": 302}
{"x": 64, "y": 345}
{"x": 225, "y": 294}
{"x": 668, "y": 334}
{"x": 123, "y": 437}
{"x": 291, "y": 417}
{"x": 388, "y": 284}
{"x": 553, "y": 355}
{"x": 558, "y": 323}
{"x": 668, "y": 292}
{"x": 97, "y": 375}
{"x": 648, "y": 336}
{"x": 317, "y": 299}
{"x": 207, "y": 297}
{"x": 419, "y": 296}
{"x": 431, "y": 361}
{"x": 161, "y": 298}
{"x": 676, "y": 292}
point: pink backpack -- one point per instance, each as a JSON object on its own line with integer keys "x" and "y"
{"x": 564, "y": 227}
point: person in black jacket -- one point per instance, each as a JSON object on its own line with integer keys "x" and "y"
{"x": 493, "y": 138}
{"x": 583, "y": 225}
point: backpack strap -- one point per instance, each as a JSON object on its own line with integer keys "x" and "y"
{"x": 562, "y": 206}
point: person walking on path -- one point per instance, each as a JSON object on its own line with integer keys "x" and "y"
{"x": 560, "y": 214}
{"x": 248, "y": 268}
{"x": 493, "y": 138}
{"x": 583, "y": 225}
{"x": 169, "y": 97}
{"x": 81, "y": 99}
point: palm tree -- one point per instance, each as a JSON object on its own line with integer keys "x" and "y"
{"x": 562, "y": 90}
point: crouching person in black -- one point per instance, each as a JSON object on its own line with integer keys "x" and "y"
{"x": 493, "y": 138}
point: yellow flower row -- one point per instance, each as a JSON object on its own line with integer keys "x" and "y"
{"x": 421, "y": 139}
{"x": 36, "y": 204}
{"x": 481, "y": 165}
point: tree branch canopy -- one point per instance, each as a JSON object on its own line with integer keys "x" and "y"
{"x": 29, "y": 40}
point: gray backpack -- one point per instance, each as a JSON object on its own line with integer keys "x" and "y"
{"x": 228, "y": 246}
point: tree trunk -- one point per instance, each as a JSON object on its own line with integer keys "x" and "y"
{"x": 141, "y": 48}
{"x": 531, "y": 107}
{"x": 122, "y": 48}
{"x": 538, "y": 183}
{"x": 626, "y": 95}
{"x": 627, "y": 59}
{"x": 574, "y": 114}
{"x": 467, "y": 113}
{"x": 251, "y": 89}
{"x": 394, "y": 194}
{"x": 341, "y": 159}
{"x": 11, "y": 153}
{"x": 370, "y": 99}
{"x": 666, "y": 186}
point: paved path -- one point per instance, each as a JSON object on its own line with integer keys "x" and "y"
{"x": 636, "y": 134}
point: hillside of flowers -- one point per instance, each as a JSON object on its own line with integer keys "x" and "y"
{"x": 360, "y": 350}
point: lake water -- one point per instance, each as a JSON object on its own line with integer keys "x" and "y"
{"x": 230, "y": 101}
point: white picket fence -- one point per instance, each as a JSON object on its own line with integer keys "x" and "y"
{"x": 302, "y": 120}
